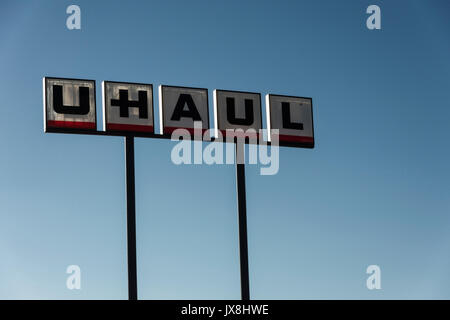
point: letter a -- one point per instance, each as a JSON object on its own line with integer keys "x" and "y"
{"x": 74, "y": 20}
{"x": 179, "y": 112}
{"x": 74, "y": 280}
{"x": 374, "y": 20}
{"x": 374, "y": 280}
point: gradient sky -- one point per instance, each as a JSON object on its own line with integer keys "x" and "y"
{"x": 375, "y": 190}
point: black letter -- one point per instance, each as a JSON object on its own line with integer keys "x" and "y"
{"x": 286, "y": 115}
{"x": 231, "y": 113}
{"x": 58, "y": 106}
{"x": 124, "y": 104}
{"x": 179, "y": 111}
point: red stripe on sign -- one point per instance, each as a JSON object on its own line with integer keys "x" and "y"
{"x": 128, "y": 127}
{"x": 284, "y": 137}
{"x": 169, "y": 130}
{"x": 71, "y": 124}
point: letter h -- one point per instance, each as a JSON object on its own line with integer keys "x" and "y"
{"x": 123, "y": 103}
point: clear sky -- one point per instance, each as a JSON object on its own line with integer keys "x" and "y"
{"x": 375, "y": 190}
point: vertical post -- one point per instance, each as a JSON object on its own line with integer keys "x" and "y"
{"x": 242, "y": 218}
{"x": 131, "y": 218}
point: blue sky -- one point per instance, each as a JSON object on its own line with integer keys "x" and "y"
{"x": 375, "y": 190}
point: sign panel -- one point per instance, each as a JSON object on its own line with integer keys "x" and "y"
{"x": 293, "y": 118}
{"x": 237, "y": 110}
{"x": 69, "y": 103}
{"x": 180, "y": 107}
{"x": 127, "y": 106}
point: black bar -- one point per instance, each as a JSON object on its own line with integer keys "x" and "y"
{"x": 131, "y": 218}
{"x": 242, "y": 219}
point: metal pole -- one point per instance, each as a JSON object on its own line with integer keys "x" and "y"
{"x": 242, "y": 219}
{"x": 131, "y": 218}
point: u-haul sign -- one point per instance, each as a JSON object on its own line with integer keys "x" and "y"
{"x": 292, "y": 119}
{"x": 69, "y": 103}
{"x": 237, "y": 110}
{"x": 181, "y": 107}
{"x": 127, "y": 106}
{"x": 128, "y": 109}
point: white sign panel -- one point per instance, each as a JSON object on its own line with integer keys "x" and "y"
{"x": 292, "y": 117}
{"x": 69, "y": 103}
{"x": 180, "y": 107}
{"x": 237, "y": 110}
{"x": 127, "y": 107}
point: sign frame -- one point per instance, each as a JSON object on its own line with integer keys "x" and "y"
{"x": 105, "y": 112}
{"x": 285, "y": 143}
{"x": 259, "y": 134}
{"x": 69, "y": 129}
{"x": 161, "y": 114}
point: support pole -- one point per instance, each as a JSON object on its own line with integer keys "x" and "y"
{"x": 131, "y": 218}
{"x": 242, "y": 219}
